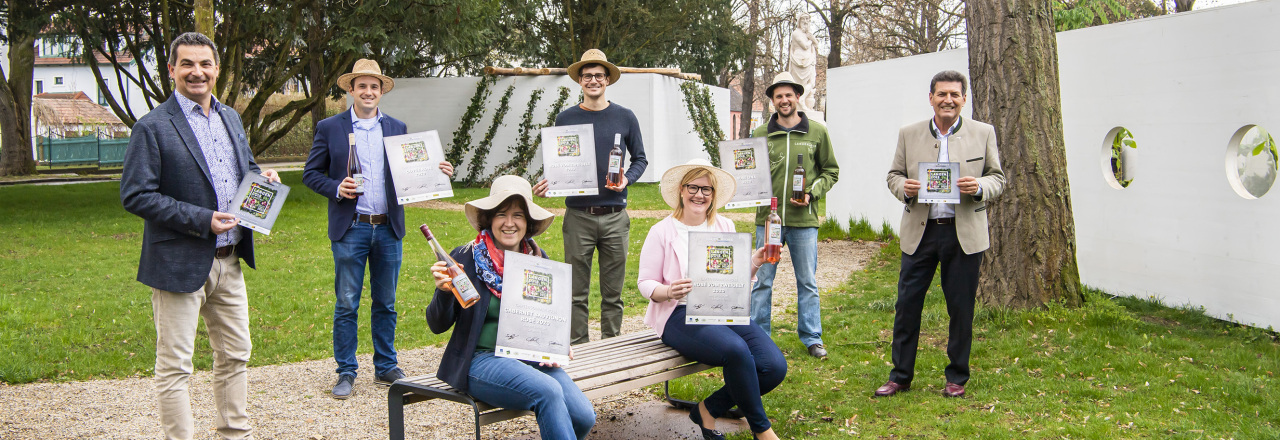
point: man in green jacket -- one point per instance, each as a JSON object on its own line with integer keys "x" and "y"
{"x": 791, "y": 135}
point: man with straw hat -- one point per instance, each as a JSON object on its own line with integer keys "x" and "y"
{"x": 364, "y": 227}
{"x": 600, "y": 222}
{"x": 792, "y": 134}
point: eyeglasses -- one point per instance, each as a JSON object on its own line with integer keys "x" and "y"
{"x": 587, "y": 77}
{"x": 706, "y": 190}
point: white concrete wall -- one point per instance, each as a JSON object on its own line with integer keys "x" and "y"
{"x": 438, "y": 104}
{"x": 1183, "y": 84}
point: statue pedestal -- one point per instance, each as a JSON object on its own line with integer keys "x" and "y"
{"x": 816, "y": 116}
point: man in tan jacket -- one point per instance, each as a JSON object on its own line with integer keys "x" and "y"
{"x": 953, "y": 235}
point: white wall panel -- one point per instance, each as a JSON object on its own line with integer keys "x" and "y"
{"x": 438, "y": 104}
{"x": 1183, "y": 84}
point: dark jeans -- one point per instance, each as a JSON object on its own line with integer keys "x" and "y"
{"x": 752, "y": 364}
{"x": 940, "y": 245}
{"x": 377, "y": 245}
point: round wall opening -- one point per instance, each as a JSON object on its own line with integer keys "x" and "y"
{"x": 1251, "y": 161}
{"x": 1119, "y": 157}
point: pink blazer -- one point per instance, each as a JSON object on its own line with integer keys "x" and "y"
{"x": 661, "y": 264}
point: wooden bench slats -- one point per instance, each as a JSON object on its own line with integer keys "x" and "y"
{"x": 599, "y": 368}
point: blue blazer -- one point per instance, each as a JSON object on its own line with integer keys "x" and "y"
{"x": 167, "y": 182}
{"x": 327, "y": 166}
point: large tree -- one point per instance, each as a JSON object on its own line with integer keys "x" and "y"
{"x": 698, "y": 36}
{"x": 265, "y": 45}
{"x": 835, "y": 14}
{"x": 20, "y": 22}
{"x": 1013, "y": 61}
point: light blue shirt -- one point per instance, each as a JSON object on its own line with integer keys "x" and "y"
{"x": 219, "y": 155}
{"x": 942, "y": 210}
{"x": 372, "y": 155}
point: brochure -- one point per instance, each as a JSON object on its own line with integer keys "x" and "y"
{"x": 747, "y": 160}
{"x": 938, "y": 182}
{"x": 537, "y": 299}
{"x": 569, "y": 160}
{"x": 258, "y": 201}
{"x": 415, "y": 167}
{"x": 720, "y": 267}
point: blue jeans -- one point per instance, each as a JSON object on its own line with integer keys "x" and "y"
{"x": 803, "y": 244}
{"x": 563, "y": 412}
{"x": 378, "y": 245}
{"x": 753, "y": 366}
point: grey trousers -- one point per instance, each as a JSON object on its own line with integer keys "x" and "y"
{"x": 583, "y": 234}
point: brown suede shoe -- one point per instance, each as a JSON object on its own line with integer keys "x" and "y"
{"x": 890, "y": 388}
{"x": 953, "y": 390}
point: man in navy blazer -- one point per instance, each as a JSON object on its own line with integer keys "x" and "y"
{"x": 366, "y": 224}
{"x": 183, "y": 166}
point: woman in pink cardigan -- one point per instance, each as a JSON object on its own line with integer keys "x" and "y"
{"x": 752, "y": 364}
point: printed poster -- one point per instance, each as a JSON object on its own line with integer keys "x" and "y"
{"x": 258, "y": 202}
{"x": 720, "y": 267}
{"x": 415, "y": 167}
{"x": 747, "y": 160}
{"x": 569, "y": 160}
{"x": 537, "y": 294}
{"x": 938, "y": 182}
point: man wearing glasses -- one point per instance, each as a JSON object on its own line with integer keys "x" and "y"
{"x": 599, "y": 221}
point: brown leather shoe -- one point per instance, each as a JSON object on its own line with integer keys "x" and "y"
{"x": 953, "y": 390}
{"x": 890, "y": 388}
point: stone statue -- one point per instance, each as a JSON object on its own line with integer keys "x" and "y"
{"x": 804, "y": 62}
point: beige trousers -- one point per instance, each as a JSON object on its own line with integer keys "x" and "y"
{"x": 224, "y": 305}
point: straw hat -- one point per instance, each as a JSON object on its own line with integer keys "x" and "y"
{"x": 597, "y": 57}
{"x": 366, "y": 67}
{"x": 503, "y": 188}
{"x": 784, "y": 78}
{"x": 726, "y": 186}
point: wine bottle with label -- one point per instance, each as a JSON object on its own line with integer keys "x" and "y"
{"x": 353, "y": 166}
{"x": 459, "y": 284}
{"x": 797, "y": 180}
{"x": 773, "y": 234}
{"x": 614, "y": 176}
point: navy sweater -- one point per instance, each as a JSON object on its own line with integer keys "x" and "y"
{"x": 613, "y": 119}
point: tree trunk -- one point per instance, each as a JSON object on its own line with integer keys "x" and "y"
{"x": 749, "y": 73}
{"x": 1183, "y": 5}
{"x": 15, "y": 106}
{"x": 1013, "y": 60}
{"x": 315, "y": 71}
{"x": 204, "y": 17}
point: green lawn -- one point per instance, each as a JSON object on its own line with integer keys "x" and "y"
{"x": 1116, "y": 368}
{"x": 71, "y": 309}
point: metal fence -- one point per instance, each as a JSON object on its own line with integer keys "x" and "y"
{"x": 81, "y": 151}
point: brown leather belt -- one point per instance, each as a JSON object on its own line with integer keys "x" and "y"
{"x": 943, "y": 221}
{"x": 224, "y": 252}
{"x": 376, "y": 219}
{"x": 602, "y": 210}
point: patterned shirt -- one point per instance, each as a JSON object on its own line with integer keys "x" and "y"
{"x": 372, "y": 155}
{"x": 219, "y": 155}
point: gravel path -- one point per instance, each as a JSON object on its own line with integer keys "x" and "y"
{"x": 292, "y": 401}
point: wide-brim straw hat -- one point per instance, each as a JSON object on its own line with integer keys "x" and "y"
{"x": 726, "y": 186}
{"x": 784, "y": 78}
{"x": 597, "y": 57}
{"x": 366, "y": 67}
{"x": 503, "y": 188}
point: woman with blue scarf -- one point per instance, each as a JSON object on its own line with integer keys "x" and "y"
{"x": 507, "y": 220}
